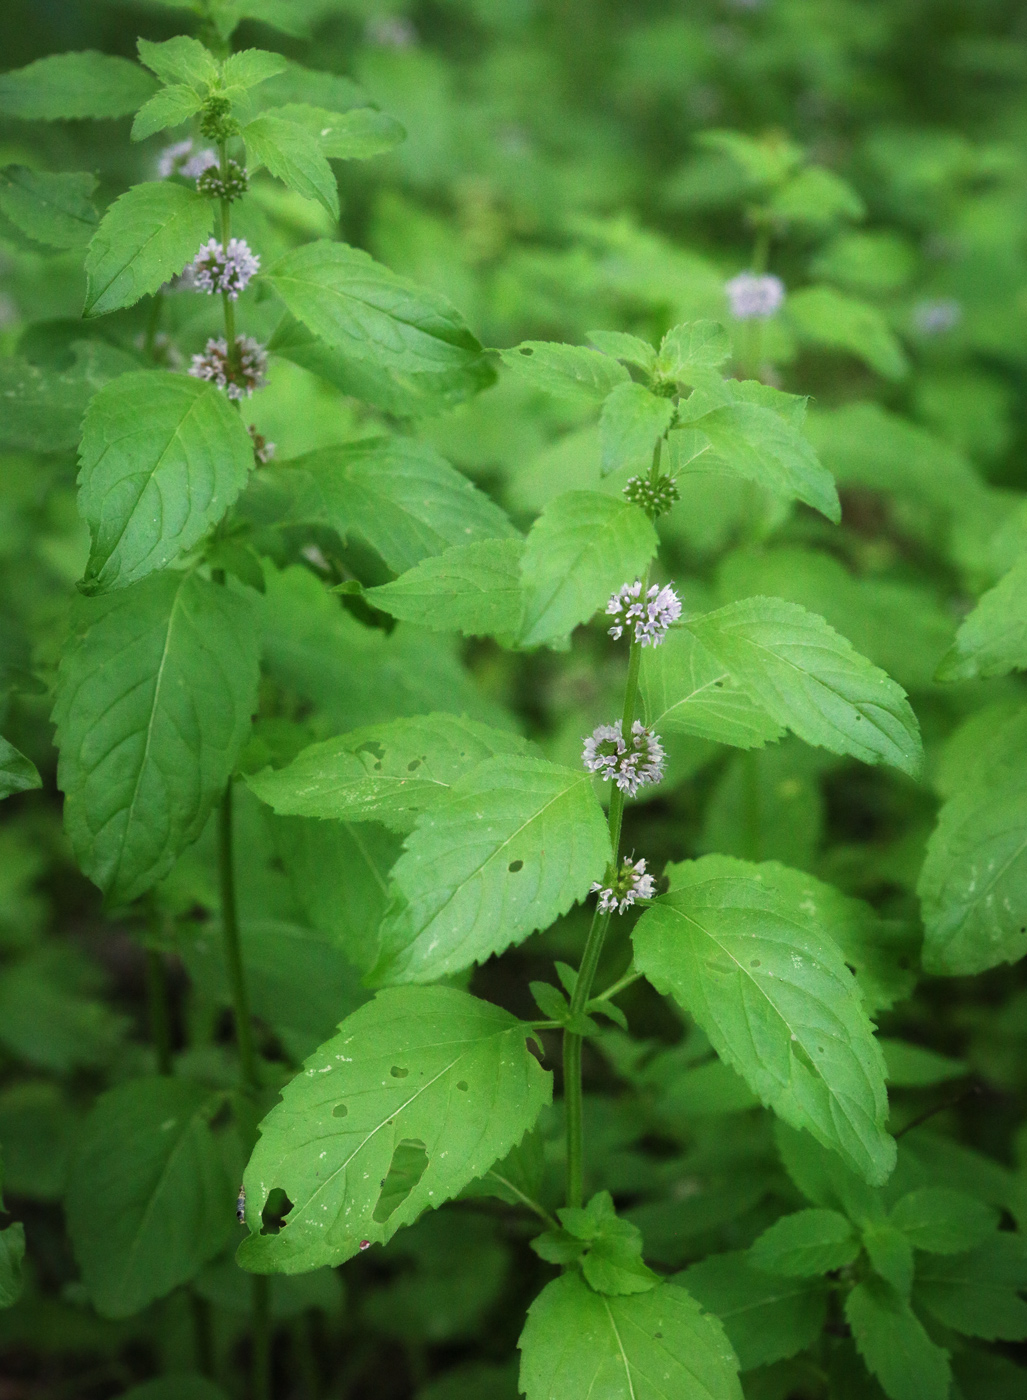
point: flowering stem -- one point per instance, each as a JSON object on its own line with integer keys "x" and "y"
{"x": 226, "y": 233}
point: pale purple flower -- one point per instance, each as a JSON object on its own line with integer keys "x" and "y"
{"x": 219, "y": 269}
{"x": 240, "y": 379}
{"x": 649, "y": 617}
{"x": 181, "y": 159}
{"x": 263, "y": 450}
{"x": 631, "y": 764}
{"x": 630, "y": 883}
{"x": 936, "y": 317}
{"x": 753, "y": 296}
{"x": 390, "y": 32}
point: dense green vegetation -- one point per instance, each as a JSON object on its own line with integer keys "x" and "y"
{"x": 513, "y": 591}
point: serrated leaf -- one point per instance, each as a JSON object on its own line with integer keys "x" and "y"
{"x": 43, "y": 408}
{"x": 70, "y": 86}
{"x": 250, "y": 67}
{"x": 890, "y": 1254}
{"x": 827, "y": 317}
{"x": 472, "y": 588}
{"x": 154, "y": 700}
{"x": 763, "y": 447}
{"x": 145, "y": 238}
{"x": 805, "y": 1244}
{"x": 53, "y": 209}
{"x": 405, "y": 500}
{"x": 766, "y": 1318}
{"x": 293, "y": 156}
{"x": 808, "y": 677}
{"x": 580, "y": 550}
{"x": 428, "y": 1066}
{"x": 386, "y": 772}
{"x": 621, "y": 346}
{"x": 778, "y": 1003}
{"x": 569, "y": 371}
{"x": 942, "y": 1221}
{"x": 149, "y": 1200}
{"x": 915, "y": 1067}
{"x": 894, "y": 1345}
{"x": 992, "y": 641}
{"x": 579, "y": 1345}
{"x": 694, "y": 345}
{"x": 610, "y": 1249}
{"x": 515, "y": 843}
{"x": 180, "y": 60}
{"x": 630, "y": 425}
{"x": 162, "y": 458}
{"x": 17, "y": 773}
{"x": 169, "y": 107}
{"x": 816, "y": 198}
{"x": 356, "y": 134}
{"x": 978, "y": 1293}
{"x": 359, "y": 306}
{"x": 686, "y": 690}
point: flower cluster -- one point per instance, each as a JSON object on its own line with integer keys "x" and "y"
{"x": 263, "y": 450}
{"x": 655, "y": 497}
{"x": 630, "y": 883}
{"x": 754, "y": 297}
{"x": 219, "y": 269}
{"x": 648, "y": 617}
{"x": 231, "y": 185}
{"x": 182, "y": 159}
{"x": 239, "y": 376}
{"x": 631, "y": 763}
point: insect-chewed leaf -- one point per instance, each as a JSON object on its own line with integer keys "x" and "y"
{"x": 163, "y": 456}
{"x": 766, "y": 1318}
{"x": 578, "y": 1345}
{"x": 154, "y": 700}
{"x": 892, "y": 1341}
{"x": 404, "y": 499}
{"x": 512, "y": 846}
{"x": 17, "y": 773}
{"x": 471, "y": 588}
{"x": 71, "y": 86}
{"x": 355, "y": 303}
{"x": 53, "y": 209}
{"x": 778, "y": 1003}
{"x": 293, "y": 156}
{"x": 418, "y": 1094}
{"x": 145, "y": 238}
{"x": 149, "y": 1199}
{"x": 993, "y": 640}
{"x": 386, "y": 772}
{"x": 808, "y": 677}
{"x": 582, "y": 547}
{"x": 686, "y": 690}
{"x": 570, "y": 371}
{"x": 631, "y": 423}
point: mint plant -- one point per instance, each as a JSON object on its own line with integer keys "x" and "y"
{"x": 489, "y": 842}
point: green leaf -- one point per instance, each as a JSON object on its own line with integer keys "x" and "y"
{"x": 12, "y": 1255}
{"x": 293, "y": 156}
{"x": 942, "y": 1221}
{"x": 169, "y": 107}
{"x": 825, "y": 1179}
{"x": 694, "y": 345}
{"x": 630, "y": 425}
{"x": 472, "y": 588}
{"x": 579, "y": 1345}
{"x": 915, "y": 1067}
{"x": 767, "y": 160}
{"x": 515, "y": 843}
{"x": 358, "y": 134}
{"x": 992, "y": 641}
{"x": 250, "y": 67}
{"x": 763, "y": 447}
{"x": 569, "y": 371}
{"x": 17, "y": 773}
{"x": 580, "y": 550}
{"x": 978, "y": 1293}
{"x": 890, "y": 1254}
{"x": 387, "y": 772}
{"x": 815, "y": 198}
{"x": 686, "y": 690}
{"x": 610, "y": 1248}
{"x": 150, "y": 1200}
{"x": 49, "y": 1020}
{"x": 180, "y": 60}
{"x": 43, "y": 408}
{"x": 766, "y": 1318}
{"x": 826, "y": 317}
{"x": 773, "y": 993}
{"x": 805, "y": 1244}
{"x": 154, "y": 700}
{"x": 809, "y": 678}
{"x": 68, "y": 86}
{"x": 145, "y": 238}
{"x": 629, "y": 348}
{"x": 405, "y": 500}
{"x": 359, "y": 306}
{"x": 53, "y": 209}
{"x": 163, "y": 456}
{"x": 894, "y": 1345}
{"x": 429, "y": 1070}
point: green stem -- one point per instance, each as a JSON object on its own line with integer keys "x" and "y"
{"x": 157, "y": 1006}
{"x": 261, "y": 1379}
{"x": 203, "y": 1334}
{"x": 226, "y": 233}
{"x": 233, "y": 946}
{"x": 622, "y": 983}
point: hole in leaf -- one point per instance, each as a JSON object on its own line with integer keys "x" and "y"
{"x": 414, "y": 763}
{"x": 339, "y": 1111}
{"x": 276, "y": 1208}
{"x": 398, "y": 1072}
{"x": 658, "y": 1336}
{"x": 375, "y": 749}
{"x": 462, "y": 1086}
{"x": 515, "y": 865}
{"x": 408, "y": 1165}
{"x": 527, "y": 350}
{"x": 755, "y": 963}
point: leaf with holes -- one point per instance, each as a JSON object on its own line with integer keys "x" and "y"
{"x": 418, "y": 1094}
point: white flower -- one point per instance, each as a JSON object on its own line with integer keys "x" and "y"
{"x": 263, "y": 450}
{"x": 180, "y": 159}
{"x": 649, "y": 616}
{"x": 630, "y": 764}
{"x": 631, "y": 883}
{"x": 218, "y": 269}
{"x": 238, "y": 380}
{"x": 754, "y": 297}
{"x": 390, "y": 32}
